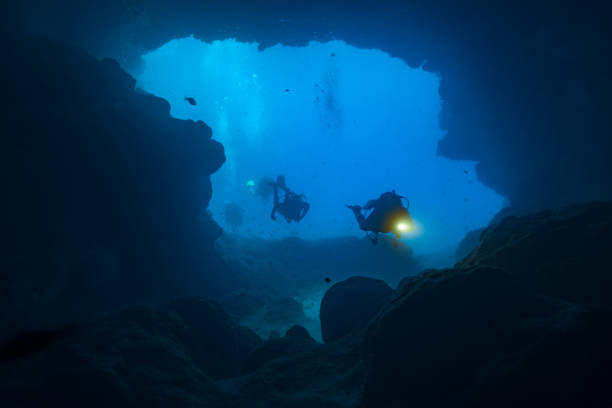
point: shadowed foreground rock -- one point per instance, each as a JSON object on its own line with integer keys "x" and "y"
{"x": 152, "y": 357}
{"x": 563, "y": 253}
{"x": 349, "y": 305}
{"x": 171, "y": 356}
{"x": 104, "y": 194}
{"x": 296, "y": 340}
{"x": 478, "y": 337}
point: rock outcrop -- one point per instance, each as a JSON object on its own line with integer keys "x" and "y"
{"x": 468, "y": 243}
{"x": 150, "y": 356}
{"x": 313, "y": 375}
{"x": 181, "y": 355}
{"x": 478, "y": 337}
{"x": 218, "y": 345}
{"x": 349, "y": 305}
{"x": 296, "y": 341}
{"x": 524, "y": 320}
{"x": 470, "y": 336}
{"x": 104, "y": 194}
{"x": 562, "y": 253}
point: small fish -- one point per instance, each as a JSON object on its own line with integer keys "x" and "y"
{"x": 287, "y": 90}
{"x": 191, "y": 100}
{"x": 327, "y": 280}
{"x": 333, "y": 54}
{"x": 465, "y": 171}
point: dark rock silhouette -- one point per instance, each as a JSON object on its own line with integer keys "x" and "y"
{"x": 104, "y": 193}
{"x": 296, "y": 341}
{"x": 506, "y": 337}
{"x": 561, "y": 253}
{"x": 299, "y": 332}
{"x": 135, "y": 356}
{"x": 218, "y": 345}
{"x": 349, "y": 305}
{"x": 170, "y": 355}
{"x": 313, "y": 375}
{"x": 482, "y": 335}
{"x": 472, "y": 238}
{"x": 485, "y": 338}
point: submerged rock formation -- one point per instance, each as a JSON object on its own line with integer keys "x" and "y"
{"x": 296, "y": 341}
{"x": 349, "y": 305}
{"x": 524, "y": 320}
{"x": 562, "y": 253}
{"x": 478, "y": 337}
{"x": 135, "y": 357}
{"x": 104, "y": 194}
{"x": 471, "y": 336}
{"x": 467, "y": 244}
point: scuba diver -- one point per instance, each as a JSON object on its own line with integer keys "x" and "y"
{"x": 293, "y": 206}
{"x": 383, "y": 215}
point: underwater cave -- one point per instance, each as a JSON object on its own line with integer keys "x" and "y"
{"x": 342, "y": 124}
{"x": 143, "y": 267}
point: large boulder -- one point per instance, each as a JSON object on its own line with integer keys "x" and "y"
{"x": 478, "y": 337}
{"x": 563, "y": 253}
{"x": 349, "y": 305}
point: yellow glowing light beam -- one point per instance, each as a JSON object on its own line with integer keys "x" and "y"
{"x": 403, "y": 226}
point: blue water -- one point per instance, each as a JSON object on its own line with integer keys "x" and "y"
{"x": 342, "y": 124}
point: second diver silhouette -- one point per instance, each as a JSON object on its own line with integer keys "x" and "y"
{"x": 291, "y": 205}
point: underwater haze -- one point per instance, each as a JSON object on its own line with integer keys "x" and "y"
{"x": 342, "y": 124}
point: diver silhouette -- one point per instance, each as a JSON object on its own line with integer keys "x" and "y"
{"x": 383, "y": 215}
{"x": 293, "y": 206}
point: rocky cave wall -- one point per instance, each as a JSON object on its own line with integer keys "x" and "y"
{"x": 526, "y": 86}
{"x": 105, "y": 194}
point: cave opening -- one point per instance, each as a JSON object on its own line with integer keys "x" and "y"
{"x": 342, "y": 124}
